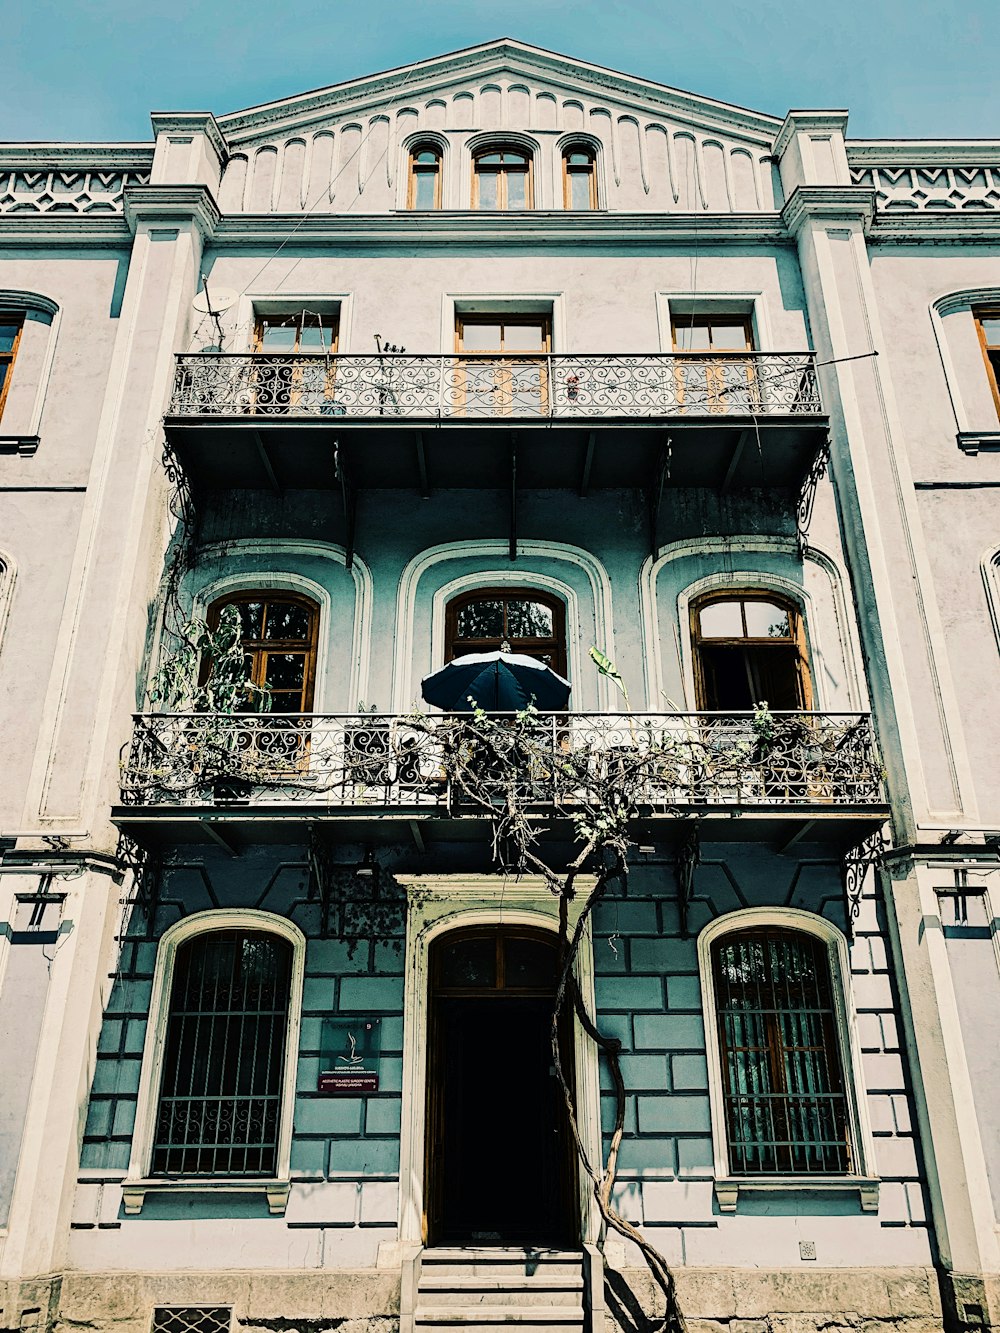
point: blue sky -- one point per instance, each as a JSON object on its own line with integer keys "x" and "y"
{"x": 95, "y": 70}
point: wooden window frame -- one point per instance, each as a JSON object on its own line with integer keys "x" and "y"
{"x": 413, "y": 171}
{"x": 979, "y": 314}
{"x": 568, "y": 172}
{"x": 263, "y": 647}
{"x": 797, "y": 637}
{"x": 715, "y": 382}
{"x": 706, "y": 319}
{"x": 261, "y": 318}
{"x": 7, "y": 359}
{"x": 501, "y": 359}
{"x": 510, "y": 594}
{"x": 484, "y": 150}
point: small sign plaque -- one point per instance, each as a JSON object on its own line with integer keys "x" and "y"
{"x": 349, "y": 1056}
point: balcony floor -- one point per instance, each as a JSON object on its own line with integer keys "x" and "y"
{"x": 835, "y": 828}
{"x": 281, "y": 452}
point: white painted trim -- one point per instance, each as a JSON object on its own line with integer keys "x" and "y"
{"x": 14, "y": 299}
{"x": 440, "y": 903}
{"x": 203, "y": 923}
{"x": 406, "y": 671}
{"x": 510, "y": 575}
{"x": 759, "y": 313}
{"x": 500, "y": 302}
{"x": 270, "y": 551}
{"x": 952, "y": 303}
{"x": 242, "y": 332}
{"x": 723, "y": 547}
{"x": 791, "y": 918}
{"x": 8, "y": 577}
{"x": 989, "y": 569}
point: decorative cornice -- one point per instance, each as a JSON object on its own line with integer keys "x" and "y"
{"x": 534, "y": 228}
{"x": 191, "y": 122}
{"x": 923, "y": 152}
{"x": 504, "y": 56}
{"x": 172, "y": 203}
{"x": 64, "y": 229}
{"x": 76, "y": 156}
{"x": 932, "y": 227}
{"x": 832, "y": 203}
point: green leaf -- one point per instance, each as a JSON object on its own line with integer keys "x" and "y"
{"x": 607, "y": 668}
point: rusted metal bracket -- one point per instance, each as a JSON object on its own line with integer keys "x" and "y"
{"x": 686, "y": 859}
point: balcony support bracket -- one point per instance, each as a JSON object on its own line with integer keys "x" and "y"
{"x": 349, "y": 498}
{"x": 734, "y": 462}
{"x": 854, "y": 868}
{"x": 146, "y": 870}
{"x": 686, "y": 859}
{"x": 807, "y": 495}
{"x": 219, "y": 838}
{"x": 588, "y": 463}
{"x": 513, "y": 499}
{"x": 654, "y": 495}
{"x": 425, "y": 486}
{"x": 266, "y": 464}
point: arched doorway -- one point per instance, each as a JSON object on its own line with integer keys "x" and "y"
{"x": 501, "y": 1168}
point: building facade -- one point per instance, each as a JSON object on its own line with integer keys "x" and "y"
{"x": 500, "y": 348}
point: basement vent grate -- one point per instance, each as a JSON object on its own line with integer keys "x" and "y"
{"x": 191, "y": 1319}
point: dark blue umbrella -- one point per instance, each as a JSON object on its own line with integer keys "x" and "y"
{"x": 500, "y": 682}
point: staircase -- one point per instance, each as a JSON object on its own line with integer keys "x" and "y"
{"x": 485, "y": 1290}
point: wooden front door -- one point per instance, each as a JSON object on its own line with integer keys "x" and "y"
{"x": 500, "y": 1164}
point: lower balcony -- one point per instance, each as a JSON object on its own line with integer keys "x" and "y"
{"x": 236, "y": 780}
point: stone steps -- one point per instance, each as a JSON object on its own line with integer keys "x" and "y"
{"x": 483, "y": 1290}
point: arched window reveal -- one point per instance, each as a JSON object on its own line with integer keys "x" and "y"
{"x": 749, "y": 648}
{"x": 786, "y": 1108}
{"x": 425, "y": 177}
{"x": 501, "y": 178}
{"x": 219, "y": 1106}
{"x": 579, "y": 178}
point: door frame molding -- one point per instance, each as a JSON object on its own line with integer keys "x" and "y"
{"x": 436, "y": 905}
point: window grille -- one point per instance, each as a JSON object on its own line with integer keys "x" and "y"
{"x": 224, "y": 1056}
{"x": 783, "y": 1081}
{"x": 191, "y": 1319}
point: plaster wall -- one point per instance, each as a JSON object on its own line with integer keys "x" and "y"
{"x": 938, "y": 370}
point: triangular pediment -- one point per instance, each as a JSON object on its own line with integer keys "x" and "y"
{"x": 344, "y": 147}
{"x": 507, "y": 64}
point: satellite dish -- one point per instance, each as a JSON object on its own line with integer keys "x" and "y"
{"x": 215, "y": 300}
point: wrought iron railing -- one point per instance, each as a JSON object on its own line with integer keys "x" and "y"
{"x": 487, "y": 386}
{"x": 372, "y": 760}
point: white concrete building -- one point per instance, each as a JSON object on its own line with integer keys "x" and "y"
{"x": 499, "y": 346}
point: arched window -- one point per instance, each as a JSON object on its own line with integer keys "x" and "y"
{"x": 424, "y": 190}
{"x": 749, "y": 647}
{"x": 785, "y": 1101}
{"x": 501, "y": 178}
{"x": 279, "y": 636}
{"x": 531, "y": 622}
{"x": 224, "y": 1052}
{"x": 579, "y": 177}
{"x": 11, "y": 324}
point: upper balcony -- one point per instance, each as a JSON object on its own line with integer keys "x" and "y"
{"x": 565, "y": 421}
{"x": 197, "y": 777}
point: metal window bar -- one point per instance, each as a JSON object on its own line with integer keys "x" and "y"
{"x": 786, "y": 1107}
{"x": 223, "y": 1067}
{"x": 191, "y": 1318}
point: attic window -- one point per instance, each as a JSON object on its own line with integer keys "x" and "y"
{"x": 501, "y": 179}
{"x": 579, "y": 178}
{"x": 424, "y": 191}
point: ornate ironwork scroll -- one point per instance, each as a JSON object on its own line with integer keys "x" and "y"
{"x": 686, "y": 859}
{"x": 667, "y": 760}
{"x": 857, "y": 861}
{"x": 146, "y": 871}
{"x": 807, "y": 496}
{"x": 759, "y": 384}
